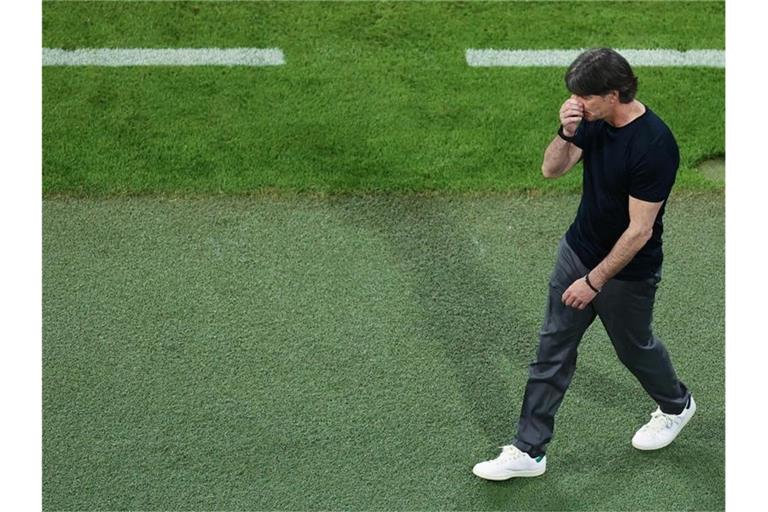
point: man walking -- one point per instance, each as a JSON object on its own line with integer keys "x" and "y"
{"x": 608, "y": 263}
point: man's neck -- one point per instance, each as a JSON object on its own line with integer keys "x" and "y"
{"x": 625, "y": 113}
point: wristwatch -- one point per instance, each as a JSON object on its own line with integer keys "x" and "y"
{"x": 564, "y": 136}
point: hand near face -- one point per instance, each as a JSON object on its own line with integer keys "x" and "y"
{"x": 571, "y": 113}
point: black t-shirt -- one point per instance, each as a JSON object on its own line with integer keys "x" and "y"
{"x": 640, "y": 160}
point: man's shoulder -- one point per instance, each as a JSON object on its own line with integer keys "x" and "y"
{"x": 654, "y": 126}
{"x": 652, "y": 135}
{"x": 654, "y": 142}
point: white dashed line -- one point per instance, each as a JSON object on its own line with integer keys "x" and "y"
{"x": 164, "y": 57}
{"x": 556, "y": 58}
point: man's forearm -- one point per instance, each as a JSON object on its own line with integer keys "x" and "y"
{"x": 625, "y": 249}
{"x": 556, "y": 157}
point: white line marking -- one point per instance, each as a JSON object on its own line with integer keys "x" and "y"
{"x": 556, "y": 58}
{"x": 164, "y": 57}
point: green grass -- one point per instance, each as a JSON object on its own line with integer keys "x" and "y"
{"x": 351, "y": 353}
{"x": 308, "y": 345}
{"x": 374, "y": 96}
{"x": 294, "y": 25}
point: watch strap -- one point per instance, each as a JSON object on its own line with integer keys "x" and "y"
{"x": 564, "y": 136}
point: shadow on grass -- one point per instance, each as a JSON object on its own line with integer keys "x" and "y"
{"x": 465, "y": 309}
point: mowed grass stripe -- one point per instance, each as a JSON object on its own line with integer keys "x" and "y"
{"x": 351, "y": 353}
{"x": 563, "y": 57}
{"x": 385, "y": 122}
{"x": 163, "y": 57}
{"x": 426, "y": 26}
{"x": 376, "y": 96}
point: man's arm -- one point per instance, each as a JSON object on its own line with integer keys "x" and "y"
{"x": 560, "y": 156}
{"x": 642, "y": 215}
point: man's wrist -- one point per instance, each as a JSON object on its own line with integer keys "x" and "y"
{"x": 591, "y": 284}
{"x": 562, "y": 135}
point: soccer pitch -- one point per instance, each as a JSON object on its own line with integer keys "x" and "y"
{"x": 319, "y": 285}
{"x": 351, "y": 353}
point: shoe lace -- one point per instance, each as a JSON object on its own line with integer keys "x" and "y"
{"x": 659, "y": 421}
{"x": 510, "y": 452}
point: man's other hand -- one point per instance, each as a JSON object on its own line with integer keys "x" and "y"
{"x": 578, "y": 295}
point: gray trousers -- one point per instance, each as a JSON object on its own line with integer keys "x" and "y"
{"x": 626, "y": 310}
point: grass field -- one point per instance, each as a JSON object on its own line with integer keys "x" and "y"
{"x": 353, "y": 353}
{"x": 374, "y": 96}
{"x": 319, "y": 286}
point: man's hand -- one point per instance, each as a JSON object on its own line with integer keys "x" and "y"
{"x": 570, "y": 115}
{"x": 578, "y": 295}
{"x": 560, "y": 156}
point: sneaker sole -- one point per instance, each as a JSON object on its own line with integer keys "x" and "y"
{"x": 659, "y": 447}
{"x": 516, "y": 474}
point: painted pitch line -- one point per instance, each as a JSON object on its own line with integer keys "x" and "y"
{"x": 556, "y": 58}
{"x": 164, "y": 57}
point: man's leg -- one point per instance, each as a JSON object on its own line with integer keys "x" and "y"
{"x": 550, "y": 375}
{"x": 626, "y": 310}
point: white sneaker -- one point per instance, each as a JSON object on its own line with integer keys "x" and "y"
{"x": 510, "y": 463}
{"x": 663, "y": 428}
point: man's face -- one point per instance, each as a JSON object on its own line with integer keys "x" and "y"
{"x": 595, "y": 106}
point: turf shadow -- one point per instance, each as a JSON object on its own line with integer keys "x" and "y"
{"x": 464, "y": 307}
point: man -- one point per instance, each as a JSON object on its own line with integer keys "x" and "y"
{"x": 609, "y": 262}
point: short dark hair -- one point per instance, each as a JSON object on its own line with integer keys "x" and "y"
{"x": 599, "y": 71}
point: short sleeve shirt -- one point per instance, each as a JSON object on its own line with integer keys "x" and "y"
{"x": 640, "y": 160}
